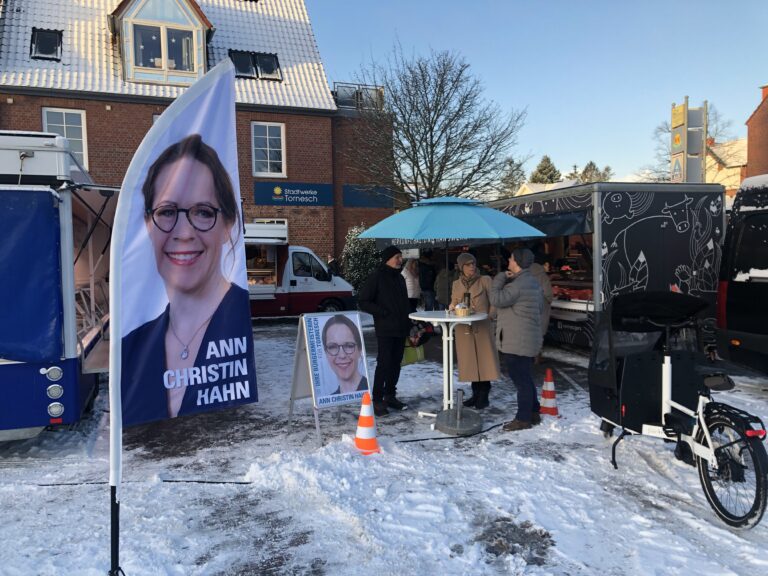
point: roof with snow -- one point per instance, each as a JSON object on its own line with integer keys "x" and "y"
{"x": 90, "y": 59}
{"x": 729, "y": 154}
{"x": 533, "y": 187}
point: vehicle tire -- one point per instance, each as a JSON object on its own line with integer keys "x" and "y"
{"x": 331, "y": 305}
{"x": 736, "y": 486}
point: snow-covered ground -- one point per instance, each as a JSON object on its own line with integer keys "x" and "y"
{"x": 241, "y": 492}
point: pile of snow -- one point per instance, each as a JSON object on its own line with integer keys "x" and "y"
{"x": 243, "y": 492}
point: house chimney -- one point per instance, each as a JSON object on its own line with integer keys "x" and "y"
{"x": 765, "y": 91}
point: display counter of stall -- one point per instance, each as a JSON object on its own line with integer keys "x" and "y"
{"x": 572, "y": 291}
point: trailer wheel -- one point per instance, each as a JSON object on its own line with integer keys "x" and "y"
{"x": 331, "y": 305}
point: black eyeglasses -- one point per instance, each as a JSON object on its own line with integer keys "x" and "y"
{"x": 202, "y": 217}
{"x": 333, "y": 349}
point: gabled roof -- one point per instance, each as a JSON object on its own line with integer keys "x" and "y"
{"x": 756, "y": 109}
{"x": 118, "y": 12}
{"x": 91, "y": 61}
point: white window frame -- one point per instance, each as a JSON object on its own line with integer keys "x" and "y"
{"x": 282, "y": 174}
{"x": 66, "y": 111}
{"x": 163, "y": 26}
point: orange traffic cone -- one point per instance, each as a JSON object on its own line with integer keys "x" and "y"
{"x": 548, "y": 400}
{"x": 365, "y": 439}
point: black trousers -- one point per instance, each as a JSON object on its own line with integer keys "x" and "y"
{"x": 387, "y": 366}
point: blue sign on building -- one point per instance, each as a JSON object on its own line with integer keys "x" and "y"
{"x": 292, "y": 194}
{"x": 367, "y": 197}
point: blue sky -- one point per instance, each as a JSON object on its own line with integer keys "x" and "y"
{"x": 595, "y": 76}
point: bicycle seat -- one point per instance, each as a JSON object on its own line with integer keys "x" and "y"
{"x": 718, "y": 382}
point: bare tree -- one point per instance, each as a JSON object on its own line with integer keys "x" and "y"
{"x": 433, "y": 134}
{"x": 514, "y": 176}
{"x": 718, "y": 129}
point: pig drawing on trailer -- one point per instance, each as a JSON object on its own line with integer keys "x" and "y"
{"x": 287, "y": 280}
{"x": 54, "y": 264}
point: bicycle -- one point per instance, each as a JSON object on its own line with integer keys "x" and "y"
{"x": 648, "y": 377}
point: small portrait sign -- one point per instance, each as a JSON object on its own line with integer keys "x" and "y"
{"x": 336, "y": 358}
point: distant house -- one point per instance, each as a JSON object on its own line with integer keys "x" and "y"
{"x": 726, "y": 164}
{"x": 757, "y": 137}
{"x": 533, "y": 188}
{"x": 100, "y": 72}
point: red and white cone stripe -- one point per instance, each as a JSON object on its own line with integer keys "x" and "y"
{"x": 365, "y": 439}
{"x": 548, "y": 396}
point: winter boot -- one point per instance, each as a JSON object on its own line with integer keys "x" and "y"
{"x": 483, "y": 390}
{"x": 470, "y": 402}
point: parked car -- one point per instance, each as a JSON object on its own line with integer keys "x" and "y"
{"x": 742, "y": 307}
{"x": 288, "y": 280}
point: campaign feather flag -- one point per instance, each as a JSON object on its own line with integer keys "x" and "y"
{"x": 181, "y": 337}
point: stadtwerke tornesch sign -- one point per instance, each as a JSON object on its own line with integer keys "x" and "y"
{"x": 292, "y": 194}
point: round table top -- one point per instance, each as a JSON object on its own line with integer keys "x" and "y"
{"x": 445, "y": 316}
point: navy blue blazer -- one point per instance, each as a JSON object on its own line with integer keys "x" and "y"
{"x": 143, "y": 392}
{"x": 362, "y": 386}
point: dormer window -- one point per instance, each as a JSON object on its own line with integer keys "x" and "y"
{"x": 162, "y": 47}
{"x": 162, "y": 41}
{"x": 46, "y": 44}
{"x": 255, "y": 65}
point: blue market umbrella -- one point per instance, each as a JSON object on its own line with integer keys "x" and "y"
{"x": 450, "y": 221}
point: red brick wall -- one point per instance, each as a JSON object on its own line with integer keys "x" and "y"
{"x": 113, "y": 136}
{"x": 346, "y": 218}
{"x": 308, "y": 159}
{"x": 757, "y": 141}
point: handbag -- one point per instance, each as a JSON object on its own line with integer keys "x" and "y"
{"x": 412, "y": 354}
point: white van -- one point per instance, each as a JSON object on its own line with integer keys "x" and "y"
{"x": 285, "y": 280}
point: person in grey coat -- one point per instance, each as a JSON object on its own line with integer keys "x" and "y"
{"x": 519, "y": 301}
{"x": 539, "y": 270}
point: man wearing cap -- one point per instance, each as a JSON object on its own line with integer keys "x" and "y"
{"x": 519, "y": 302}
{"x": 385, "y": 297}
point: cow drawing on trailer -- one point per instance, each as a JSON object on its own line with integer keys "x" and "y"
{"x": 629, "y": 262}
{"x": 701, "y": 276}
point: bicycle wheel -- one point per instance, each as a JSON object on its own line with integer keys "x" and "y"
{"x": 736, "y": 484}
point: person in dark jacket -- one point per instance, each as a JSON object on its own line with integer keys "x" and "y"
{"x": 519, "y": 301}
{"x": 427, "y": 276}
{"x": 385, "y": 297}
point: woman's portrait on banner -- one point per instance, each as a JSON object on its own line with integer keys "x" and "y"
{"x": 198, "y": 354}
{"x": 342, "y": 374}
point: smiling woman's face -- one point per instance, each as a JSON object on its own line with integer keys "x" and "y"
{"x": 344, "y": 364}
{"x": 187, "y": 259}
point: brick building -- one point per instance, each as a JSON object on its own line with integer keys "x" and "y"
{"x": 100, "y": 72}
{"x": 757, "y": 137}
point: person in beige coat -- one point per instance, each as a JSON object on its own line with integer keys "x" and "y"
{"x": 475, "y": 347}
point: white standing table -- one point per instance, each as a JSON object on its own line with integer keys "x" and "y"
{"x": 447, "y": 322}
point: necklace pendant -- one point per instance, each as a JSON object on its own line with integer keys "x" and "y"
{"x": 185, "y": 353}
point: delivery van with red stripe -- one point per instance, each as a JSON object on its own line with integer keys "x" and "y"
{"x": 287, "y": 280}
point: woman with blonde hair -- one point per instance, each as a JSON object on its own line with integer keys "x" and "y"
{"x": 475, "y": 348}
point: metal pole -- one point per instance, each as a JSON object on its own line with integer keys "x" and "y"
{"x": 114, "y": 509}
{"x": 704, "y": 155}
